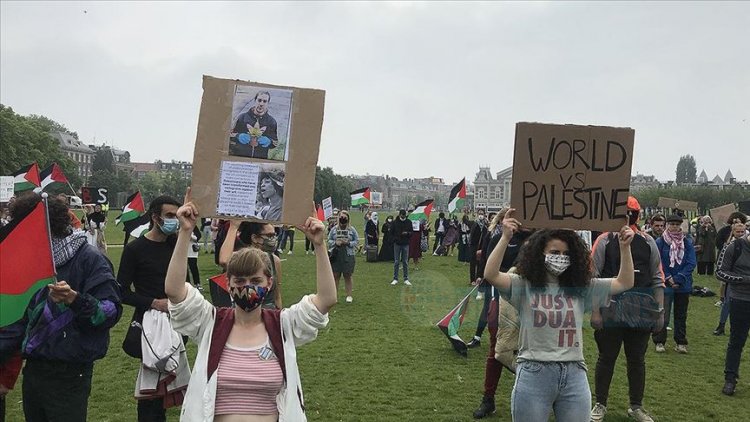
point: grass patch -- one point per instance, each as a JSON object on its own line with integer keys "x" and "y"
{"x": 382, "y": 359}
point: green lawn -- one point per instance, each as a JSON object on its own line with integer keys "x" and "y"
{"x": 382, "y": 359}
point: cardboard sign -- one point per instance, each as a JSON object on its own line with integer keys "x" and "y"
{"x": 677, "y": 204}
{"x": 6, "y": 188}
{"x": 256, "y": 150}
{"x": 327, "y": 208}
{"x": 720, "y": 215}
{"x": 376, "y": 198}
{"x": 91, "y": 195}
{"x": 570, "y": 176}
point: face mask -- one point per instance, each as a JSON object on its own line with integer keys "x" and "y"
{"x": 556, "y": 264}
{"x": 169, "y": 225}
{"x": 248, "y": 297}
{"x": 269, "y": 245}
{"x": 633, "y": 217}
{"x": 343, "y": 221}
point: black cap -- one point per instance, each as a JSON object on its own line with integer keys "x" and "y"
{"x": 402, "y": 212}
{"x": 674, "y": 218}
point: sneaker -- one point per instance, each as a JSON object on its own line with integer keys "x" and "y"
{"x": 480, "y": 296}
{"x": 394, "y": 282}
{"x": 660, "y": 348}
{"x": 729, "y": 387}
{"x": 719, "y": 331}
{"x": 598, "y": 412}
{"x": 307, "y": 252}
{"x": 640, "y": 415}
{"x": 486, "y": 408}
{"x": 475, "y": 342}
{"x": 719, "y": 303}
{"x": 289, "y": 253}
{"x": 669, "y": 328}
{"x": 349, "y": 299}
{"x": 681, "y": 348}
{"x": 407, "y": 282}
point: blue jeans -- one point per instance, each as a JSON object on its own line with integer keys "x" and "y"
{"x": 542, "y": 387}
{"x": 400, "y": 254}
{"x": 724, "y": 311}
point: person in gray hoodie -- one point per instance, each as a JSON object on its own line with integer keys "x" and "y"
{"x": 734, "y": 269}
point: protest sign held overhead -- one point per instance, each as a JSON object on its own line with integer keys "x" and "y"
{"x": 721, "y": 214}
{"x": 327, "y": 207}
{"x": 677, "y": 204}
{"x": 571, "y": 176}
{"x": 6, "y": 188}
{"x": 256, "y": 150}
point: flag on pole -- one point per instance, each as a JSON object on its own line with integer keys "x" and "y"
{"x": 133, "y": 208}
{"x": 26, "y": 178}
{"x": 422, "y": 210}
{"x": 360, "y": 196}
{"x": 450, "y": 324}
{"x": 52, "y": 175}
{"x": 27, "y": 265}
{"x": 138, "y": 226}
{"x": 321, "y": 215}
{"x": 457, "y": 197}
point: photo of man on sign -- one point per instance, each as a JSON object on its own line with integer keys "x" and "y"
{"x": 261, "y": 123}
{"x": 570, "y": 176}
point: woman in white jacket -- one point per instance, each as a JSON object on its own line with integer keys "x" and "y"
{"x": 246, "y": 367}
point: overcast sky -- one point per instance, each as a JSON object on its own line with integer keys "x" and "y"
{"x": 412, "y": 90}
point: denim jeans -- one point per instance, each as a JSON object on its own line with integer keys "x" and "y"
{"x": 680, "y": 302}
{"x": 400, "y": 254}
{"x": 542, "y": 387}
{"x": 724, "y": 311}
{"x": 739, "y": 326}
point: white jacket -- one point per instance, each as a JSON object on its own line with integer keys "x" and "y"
{"x": 194, "y": 317}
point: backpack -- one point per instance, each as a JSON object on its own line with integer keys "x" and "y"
{"x": 508, "y": 329}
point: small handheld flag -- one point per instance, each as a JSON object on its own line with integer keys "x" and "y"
{"x": 52, "y": 175}
{"x": 457, "y": 197}
{"x": 26, "y": 178}
{"x": 422, "y": 210}
{"x": 133, "y": 208}
{"x": 360, "y": 197}
{"x": 451, "y": 322}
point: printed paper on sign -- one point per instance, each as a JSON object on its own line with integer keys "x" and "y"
{"x": 327, "y": 208}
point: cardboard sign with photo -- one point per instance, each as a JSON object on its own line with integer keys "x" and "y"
{"x": 571, "y": 176}
{"x": 260, "y": 122}
{"x": 268, "y": 174}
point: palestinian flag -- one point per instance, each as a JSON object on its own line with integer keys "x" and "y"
{"x": 138, "y": 226}
{"x": 458, "y": 196}
{"x": 360, "y": 197}
{"x": 422, "y": 210}
{"x": 27, "y": 266}
{"x": 450, "y": 324}
{"x": 221, "y": 280}
{"x": 26, "y": 178}
{"x": 52, "y": 175}
{"x": 133, "y": 208}
{"x": 321, "y": 215}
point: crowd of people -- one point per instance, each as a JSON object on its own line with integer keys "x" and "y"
{"x": 633, "y": 282}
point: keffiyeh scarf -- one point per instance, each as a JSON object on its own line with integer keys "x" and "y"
{"x": 64, "y": 248}
{"x": 676, "y": 242}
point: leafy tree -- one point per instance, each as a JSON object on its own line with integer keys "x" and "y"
{"x": 686, "y": 170}
{"x": 103, "y": 160}
{"x": 328, "y": 183}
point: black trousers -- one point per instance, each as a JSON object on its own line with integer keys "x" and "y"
{"x": 739, "y": 318}
{"x": 56, "y": 391}
{"x": 680, "y": 301}
{"x": 193, "y": 265}
{"x": 706, "y": 268}
{"x": 152, "y": 410}
{"x": 438, "y": 241}
{"x": 609, "y": 342}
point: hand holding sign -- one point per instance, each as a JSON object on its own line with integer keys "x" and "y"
{"x": 510, "y": 224}
{"x": 314, "y": 229}
{"x": 188, "y": 213}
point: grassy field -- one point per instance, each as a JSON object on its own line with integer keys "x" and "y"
{"x": 382, "y": 359}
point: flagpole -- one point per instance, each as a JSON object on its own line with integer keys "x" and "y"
{"x": 45, "y": 196}
{"x": 71, "y": 189}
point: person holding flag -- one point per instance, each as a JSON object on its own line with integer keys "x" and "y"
{"x": 59, "y": 299}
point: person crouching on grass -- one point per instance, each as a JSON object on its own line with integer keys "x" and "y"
{"x": 246, "y": 366}
{"x": 552, "y": 290}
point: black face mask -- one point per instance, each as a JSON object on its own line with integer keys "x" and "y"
{"x": 633, "y": 217}
{"x": 343, "y": 221}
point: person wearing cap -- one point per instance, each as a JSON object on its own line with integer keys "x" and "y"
{"x": 613, "y": 334}
{"x": 678, "y": 262}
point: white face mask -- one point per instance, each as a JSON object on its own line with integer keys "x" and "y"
{"x": 556, "y": 264}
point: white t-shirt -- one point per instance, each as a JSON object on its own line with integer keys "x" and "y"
{"x": 551, "y": 321}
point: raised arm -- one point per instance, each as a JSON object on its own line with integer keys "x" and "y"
{"x": 325, "y": 297}
{"x": 492, "y": 269}
{"x": 626, "y": 276}
{"x": 227, "y": 248}
{"x": 174, "y": 284}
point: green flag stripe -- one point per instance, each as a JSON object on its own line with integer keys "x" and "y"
{"x": 12, "y": 307}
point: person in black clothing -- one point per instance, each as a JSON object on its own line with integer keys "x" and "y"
{"x": 478, "y": 232}
{"x": 371, "y": 230}
{"x": 441, "y": 228}
{"x": 722, "y": 236}
{"x": 144, "y": 267}
{"x": 401, "y": 233}
{"x": 258, "y": 119}
{"x": 386, "y": 249}
{"x": 96, "y": 218}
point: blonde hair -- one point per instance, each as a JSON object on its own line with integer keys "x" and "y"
{"x": 248, "y": 261}
{"x": 497, "y": 220}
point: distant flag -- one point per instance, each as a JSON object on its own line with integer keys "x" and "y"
{"x": 321, "y": 215}
{"x": 26, "y": 178}
{"x": 220, "y": 280}
{"x": 451, "y": 323}
{"x": 27, "y": 265}
{"x": 138, "y": 226}
{"x": 422, "y": 210}
{"x": 52, "y": 175}
{"x": 457, "y": 197}
{"x": 133, "y": 208}
{"x": 360, "y": 197}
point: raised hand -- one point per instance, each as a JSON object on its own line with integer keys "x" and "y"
{"x": 314, "y": 229}
{"x": 188, "y": 213}
{"x": 626, "y": 236}
{"x": 510, "y": 224}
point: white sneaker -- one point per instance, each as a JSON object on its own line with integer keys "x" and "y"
{"x": 669, "y": 328}
{"x": 289, "y": 253}
{"x": 480, "y": 296}
{"x": 598, "y": 412}
{"x": 349, "y": 299}
{"x": 407, "y": 282}
{"x": 681, "y": 348}
{"x": 394, "y": 282}
{"x": 640, "y": 415}
{"x": 660, "y": 348}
